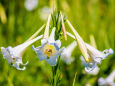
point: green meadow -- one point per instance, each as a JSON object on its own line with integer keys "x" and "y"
{"x": 94, "y": 20}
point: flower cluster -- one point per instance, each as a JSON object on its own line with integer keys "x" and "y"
{"x": 50, "y": 48}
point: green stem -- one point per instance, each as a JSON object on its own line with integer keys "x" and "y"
{"x": 56, "y": 74}
{"x": 74, "y": 79}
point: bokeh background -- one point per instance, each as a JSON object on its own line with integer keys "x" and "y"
{"x": 17, "y": 24}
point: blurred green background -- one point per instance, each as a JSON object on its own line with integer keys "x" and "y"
{"x": 95, "y": 17}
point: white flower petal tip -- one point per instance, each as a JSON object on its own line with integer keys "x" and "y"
{"x": 33, "y": 48}
{"x": 43, "y": 41}
{"x": 58, "y": 43}
{"x": 26, "y": 63}
{"x": 21, "y": 68}
{"x": 108, "y": 51}
{"x": 31, "y": 4}
{"x": 52, "y": 35}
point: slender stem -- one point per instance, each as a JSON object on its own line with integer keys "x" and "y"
{"x": 56, "y": 74}
{"x": 8, "y": 77}
{"x": 74, "y": 79}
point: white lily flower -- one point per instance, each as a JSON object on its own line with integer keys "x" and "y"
{"x": 31, "y": 4}
{"x": 13, "y": 55}
{"x": 50, "y": 49}
{"x": 95, "y": 55}
{"x": 66, "y": 53}
{"x": 109, "y": 81}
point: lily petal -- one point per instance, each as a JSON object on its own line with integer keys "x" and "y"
{"x": 40, "y": 55}
{"x": 36, "y": 33}
{"x": 63, "y": 27}
{"x": 80, "y": 43}
{"x": 18, "y": 50}
{"x": 88, "y": 66}
{"x": 52, "y": 35}
{"x": 58, "y": 43}
{"x": 52, "y": 60}
{"x": 46, "y": 32}
{"x": 66, "y": 53}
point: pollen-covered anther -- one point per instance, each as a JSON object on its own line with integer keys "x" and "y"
{"x": 49, "y": 50}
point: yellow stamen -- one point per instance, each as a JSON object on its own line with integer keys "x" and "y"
{"x": 49, "y": 50}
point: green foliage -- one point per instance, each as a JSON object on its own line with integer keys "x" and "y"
{"x": 95, "y": 17}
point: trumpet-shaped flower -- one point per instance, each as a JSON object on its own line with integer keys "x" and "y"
{"x": 109, "y": 81}
{"x": 66, "y": 53}
{"x": 50, "y": 49}
{"x": 95, "y": 56}
{"x": 13, "y": 55}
